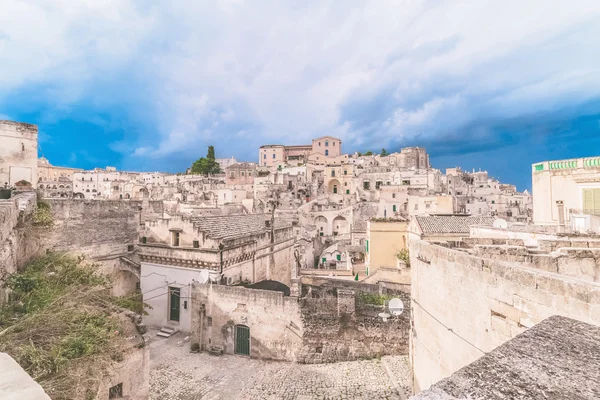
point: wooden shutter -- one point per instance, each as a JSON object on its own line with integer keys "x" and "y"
{"x": 591, "y": 201}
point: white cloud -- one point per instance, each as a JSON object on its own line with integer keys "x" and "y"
{"x": 279, "y": 71}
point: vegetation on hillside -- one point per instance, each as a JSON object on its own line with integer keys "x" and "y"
{"x": 43, "y": 215}
{"x": 62, "y": 325}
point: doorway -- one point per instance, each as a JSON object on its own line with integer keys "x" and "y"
{"x": 174, "y": 300}
{"x": 242, "y": 340}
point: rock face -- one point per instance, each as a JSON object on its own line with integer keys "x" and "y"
{"x": 558, "y": 359}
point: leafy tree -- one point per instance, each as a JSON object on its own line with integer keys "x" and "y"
{"x": 206, "y": 165}
{"x": 384, "y": 153}
{"x": 368, "y": 153}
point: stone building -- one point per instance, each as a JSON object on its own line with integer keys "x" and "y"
{"x": 18, "y": 153}
{"x": 240, "y": 174}
{"x": 566, "y": 193}
{"x": 280, "y": 156}
{"x": 175, "y": 252}
{"x": 553, "y": 359}
{"x": 474, "y": 295}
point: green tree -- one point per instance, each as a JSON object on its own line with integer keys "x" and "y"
{"x": 206, "y": 165}
{"x": 384, "y": 153}
{"x": 368, "y": 153}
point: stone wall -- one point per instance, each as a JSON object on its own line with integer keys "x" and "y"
{"x": 274, "y": 320}
{"x": 92, "y": 227}
{"x": 339, "y": 324}
{"x": 18, "y": 241}
{"x": 468, "y": 301}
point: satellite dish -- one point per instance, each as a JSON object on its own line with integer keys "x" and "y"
{"x": 203, "y": 276}
{"x": 396, "y": 306}
{"x": 500, "y": 223}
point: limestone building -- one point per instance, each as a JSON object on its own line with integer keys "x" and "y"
{"x": 566, "y": 193}
{"x": 18, "y": 153}
{"x": 175, "y": 252}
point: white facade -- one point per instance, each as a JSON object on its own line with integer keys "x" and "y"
{"x": 155, "y": 282}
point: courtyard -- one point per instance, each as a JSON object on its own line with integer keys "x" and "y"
{"x": 177, "y": 374}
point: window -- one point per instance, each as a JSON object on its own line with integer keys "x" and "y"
{"x": 326, "y": 152}
{"x": 209, "y": 321}
{"x": 196, "y": 244}
{"x": 273, "y": 155}
{"x": 116, "y": 392}
{"x": 427, "y": 205}
{"x": 333, "y": 144}
{"x": 393, "y": 195}
{"x": 345, "y": 172}
{"x": 591, "y": 201}
{"x": 416, "y": 207}
{"x": 366, "y": 185}
{"x": 367, "y": 246}
{"x": 334, "y": 189}
{"x": 394, "y": 208}
{"x": 175, "y": 239}
{"x": 326, "y": 143}
{"x": 130, "y": 248}
{"x": 347, "y": 191}
{"x": 345, "y": 183}
{"x": 264, "y": 156}
{"x": 332, "y": 172}
{"x": 319, "y": 144}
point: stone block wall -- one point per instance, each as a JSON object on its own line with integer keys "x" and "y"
{"x": 466, "y": 303}
{"x": 95, "y": 228}
{"x": 339, "y": 326}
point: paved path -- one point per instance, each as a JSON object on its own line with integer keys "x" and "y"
{"x": 177, "y": 374}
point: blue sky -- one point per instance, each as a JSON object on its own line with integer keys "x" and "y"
{"x": 496, "y": 85}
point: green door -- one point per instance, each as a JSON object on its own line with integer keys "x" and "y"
{"x": 242, "y": 340}
{"x": 174, "y": 296}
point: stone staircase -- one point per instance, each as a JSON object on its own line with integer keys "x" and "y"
{"x": 167, "y": 331}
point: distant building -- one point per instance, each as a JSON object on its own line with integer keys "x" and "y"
{"x": 279, "y": 156}
{"x": 18, "y": 153}
{"x": 226, "y": 162}
{"x": 566, "y": 191}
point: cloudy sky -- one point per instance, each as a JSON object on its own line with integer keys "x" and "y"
{"x": 147, "y": 85}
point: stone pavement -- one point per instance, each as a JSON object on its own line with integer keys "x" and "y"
{"x": 177, "y": 374}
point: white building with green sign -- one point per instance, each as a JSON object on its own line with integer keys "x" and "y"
{"x": 566, "y": 193}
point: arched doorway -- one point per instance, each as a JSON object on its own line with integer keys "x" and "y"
{"x": 340, "y": 225}
{"x": 242, "y": 340}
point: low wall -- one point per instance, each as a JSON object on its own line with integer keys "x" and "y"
{"x": 465, "y": 305}
{"x": 341, "y": 324}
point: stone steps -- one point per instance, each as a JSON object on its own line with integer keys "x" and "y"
{"x": 167, "y": 331}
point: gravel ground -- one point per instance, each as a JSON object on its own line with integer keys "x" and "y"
{"x": 178, "y": 374}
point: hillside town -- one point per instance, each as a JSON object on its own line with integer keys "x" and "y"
{"x": 421, "y": 281}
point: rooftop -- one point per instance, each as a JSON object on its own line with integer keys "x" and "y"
{"x": 558, "y": 359}
{"x": 234, "y": 226}
{"x": 451, "y": 224}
